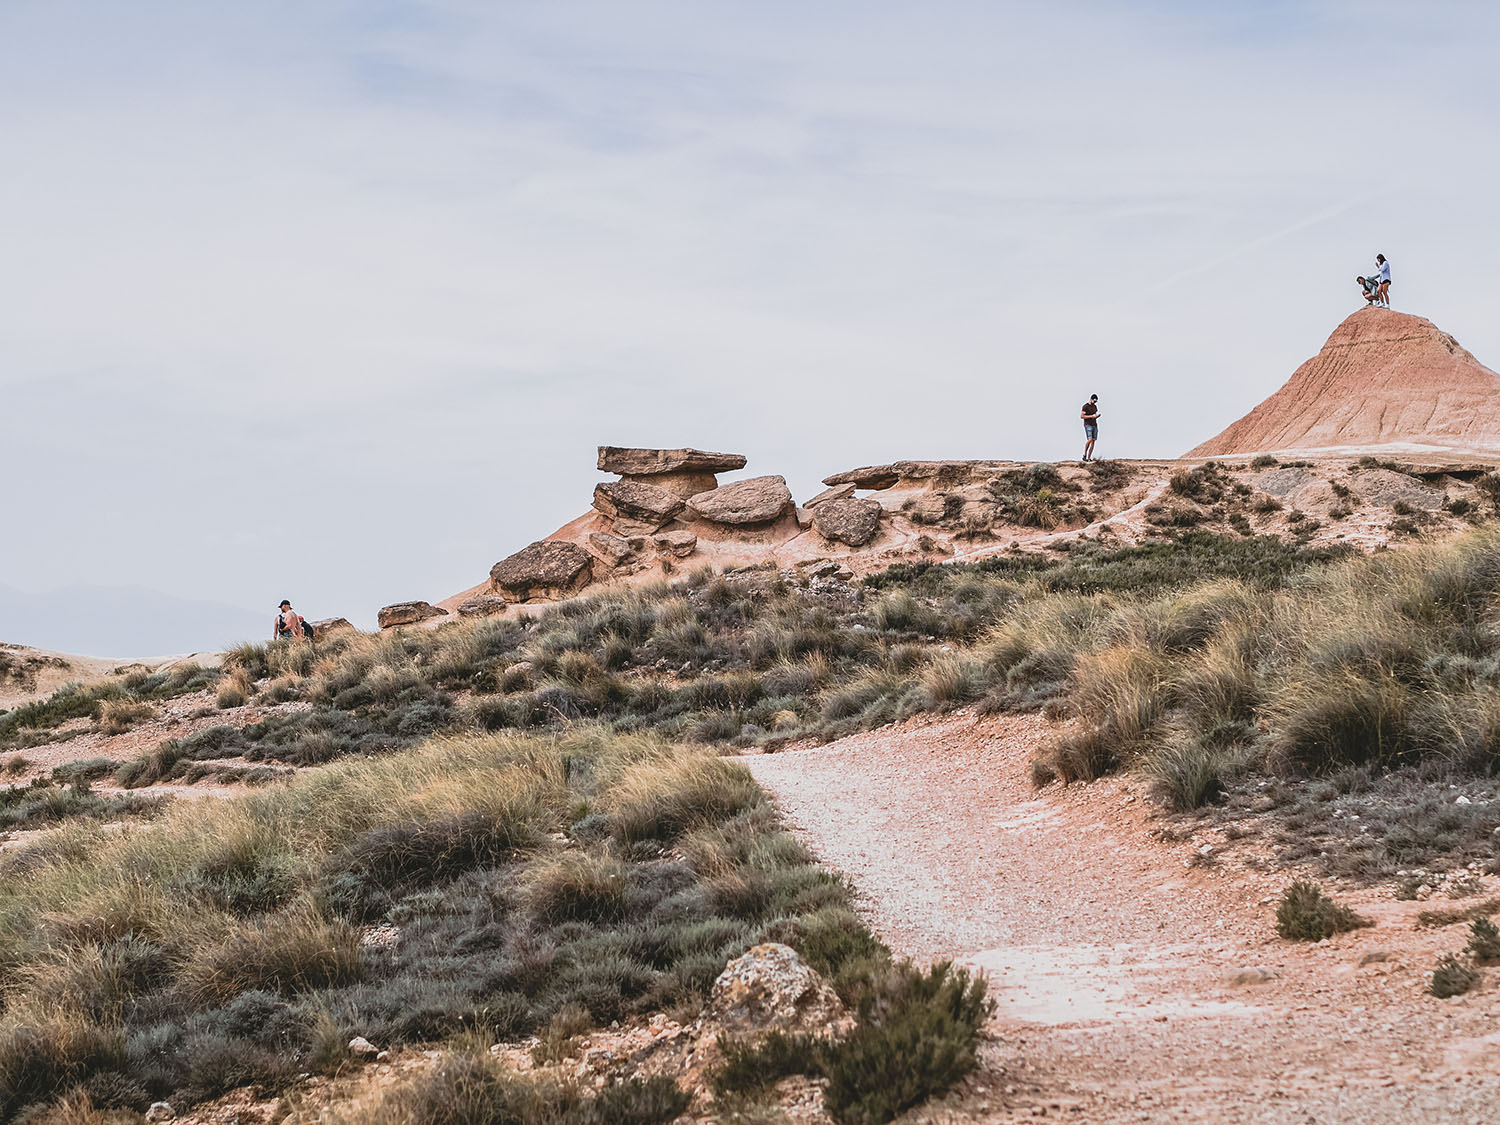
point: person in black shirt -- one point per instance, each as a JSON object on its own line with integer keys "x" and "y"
{"x": 1090, "y": 416}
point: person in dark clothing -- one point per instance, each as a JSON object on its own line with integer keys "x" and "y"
{"x": 289, "y": 626}
{"x": 1090, "y": 416}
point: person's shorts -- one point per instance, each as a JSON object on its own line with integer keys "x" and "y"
{"x": 1091, "y": 430}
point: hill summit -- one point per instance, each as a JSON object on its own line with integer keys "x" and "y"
{"x": 1385, "y": 381}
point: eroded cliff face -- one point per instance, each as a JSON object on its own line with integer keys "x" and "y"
{"x": 1384, "y": 381}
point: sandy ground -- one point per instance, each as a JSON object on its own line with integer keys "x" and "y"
{"x": 1134, "y": 980}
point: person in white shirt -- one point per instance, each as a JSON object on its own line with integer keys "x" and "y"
{"x": 1383, "y": 279}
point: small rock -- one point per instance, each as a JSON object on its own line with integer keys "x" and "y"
{"x": 160, "y": 1111}
{"x": 1374, "y": 957}
{"x": 837, "y": 492}
{"x": 361, "y": 1046}
{"x": 1462, "y": 800}
{"x": 482, "y": 605}
{"x": 408, "y": 613}
{"x": 1254, "y": 975}
{"x": 680, "y": 544}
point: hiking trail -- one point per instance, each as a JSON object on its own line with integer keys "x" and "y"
{"x": 1135, "y": 978}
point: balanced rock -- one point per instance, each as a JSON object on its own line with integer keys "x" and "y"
{"x": 408, "y": 613}
{"x": 549, "y": 568}
{"x": 745, "y": 502}
{"x": 482, "y": 605}
{"x": 682, "y": 484}
{"x": 328, "y": 626}
{"x": 849, "y": 520}
{"x": 634, "y": 503}
{"x": 649, "y": 462}
{"x": 680, "y": 543}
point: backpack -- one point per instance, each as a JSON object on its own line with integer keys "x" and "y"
{"x": 307, "y": 630}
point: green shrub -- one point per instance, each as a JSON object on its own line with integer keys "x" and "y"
{"x": 1484, "y": 940}
{"x": 750, "y": 1068}
{"x": 1452, "y": 977}
{"x": 1263, "y": 461}
{"x": 1305, "y": 913}
{"x": 917, "y": 1034}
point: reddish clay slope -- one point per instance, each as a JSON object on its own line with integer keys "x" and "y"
{"x": 1383, "y": 380}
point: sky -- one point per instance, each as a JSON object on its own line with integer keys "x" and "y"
{"x": 334, "y": 299}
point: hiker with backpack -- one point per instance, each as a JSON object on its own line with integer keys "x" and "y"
{"x": 1370, "y": 288}
{"x": 289, "y": 626}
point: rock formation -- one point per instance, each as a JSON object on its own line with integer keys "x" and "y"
{"x": 636, "y": 507}
{"x": 1384, "y": 381}
{"x": 682, "y": 472}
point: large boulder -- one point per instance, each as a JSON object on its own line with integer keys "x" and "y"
{"x": 549, "y": 568}
{"x": 639, "y": 507}
{"x": 408, "y": 613}
{"x": 849, "y": 520}
{"x": 648, "y": 462}
{"x": 745, "y": 502}
{"x": 612, "y": 550}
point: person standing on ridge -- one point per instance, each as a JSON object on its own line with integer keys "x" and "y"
{"x": 1090, "y": 416}
{"x": 289, "y": 626}
{"x": 1383, "y": 279}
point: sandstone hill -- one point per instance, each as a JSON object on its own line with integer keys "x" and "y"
{"x": 1384, "y": 382}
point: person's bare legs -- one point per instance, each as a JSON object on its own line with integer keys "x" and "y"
{"x": 1088, "y": 450}
{"x": 1385, "y": 293}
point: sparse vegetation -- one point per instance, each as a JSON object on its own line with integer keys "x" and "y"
{"x": 1484, "y": 941}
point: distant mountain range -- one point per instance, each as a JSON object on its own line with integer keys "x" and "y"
{"x": 123, "y": 621}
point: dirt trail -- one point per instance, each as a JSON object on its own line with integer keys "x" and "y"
{"x": 1135, "y": 982}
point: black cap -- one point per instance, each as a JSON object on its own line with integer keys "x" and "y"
{"x": 284, "y": 603}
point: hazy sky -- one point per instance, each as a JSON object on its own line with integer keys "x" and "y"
{"x": 334, "y": 300}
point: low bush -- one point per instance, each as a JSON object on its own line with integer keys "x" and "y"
{"x": 1484, "y": 941}
{"x": 1452, "y": 977}
{"x": 752, "y": 1067}
{"x": 1305, "y": 913}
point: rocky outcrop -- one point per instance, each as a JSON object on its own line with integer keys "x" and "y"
{"x": 770, "y": 987}
{"x": 636, "y": 508}
{"x": 848, "y": 520}
{"x": 546, "y": 569}
{"x": 928, "y": 473}
{"x": 759, "y": 500}
{"x": 408, "y": 613}
{"x": 681, "y": 485}
{"x": 651, "y": 462}
{"x": 1384, "y": 379}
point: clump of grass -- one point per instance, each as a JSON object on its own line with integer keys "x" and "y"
{"x": 555, "y": 1042}
{"x": 1452, "y": 977}
{"x": 234, "y": 691}
{"x": 119, "y": 715}
{"x": 1430, "y": 919}
{"x": 1305, "y": 913}
{"x": 752, "y": 1067}
{"x": 1263, "y": 461}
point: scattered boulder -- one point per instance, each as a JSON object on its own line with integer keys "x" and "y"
{"x": 848, "y": 520}
{"x": 482, "y": 605}
{"x": 408, "y": 613}
{"x": 680, "y": 543}
{"x": 770, "y": 986}
{"x": 611, "y": 550}
{"x": 362, "y": 1047}
{"x": 745, "y": 502}
{"x": 633, "y": 503}
{"x": 650, "y": 462}
{"x": 837, "y": 492}
{"x": 1382, "y": 487}
{"x": 548, "y": 568}
{"x": 328, "y": 626}
{"x": 160, "y": 1111}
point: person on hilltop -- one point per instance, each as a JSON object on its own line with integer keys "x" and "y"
{"x": 1371, "y": 289}
{"x": 1090, "y": 416}
{"x": 289, "y": 626}
{"x": 1383, "y": 279}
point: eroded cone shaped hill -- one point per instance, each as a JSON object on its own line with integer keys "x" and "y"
{"x": 1384, "y": 381}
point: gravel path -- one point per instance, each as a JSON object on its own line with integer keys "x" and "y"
{"x": 1135, "y": 982}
